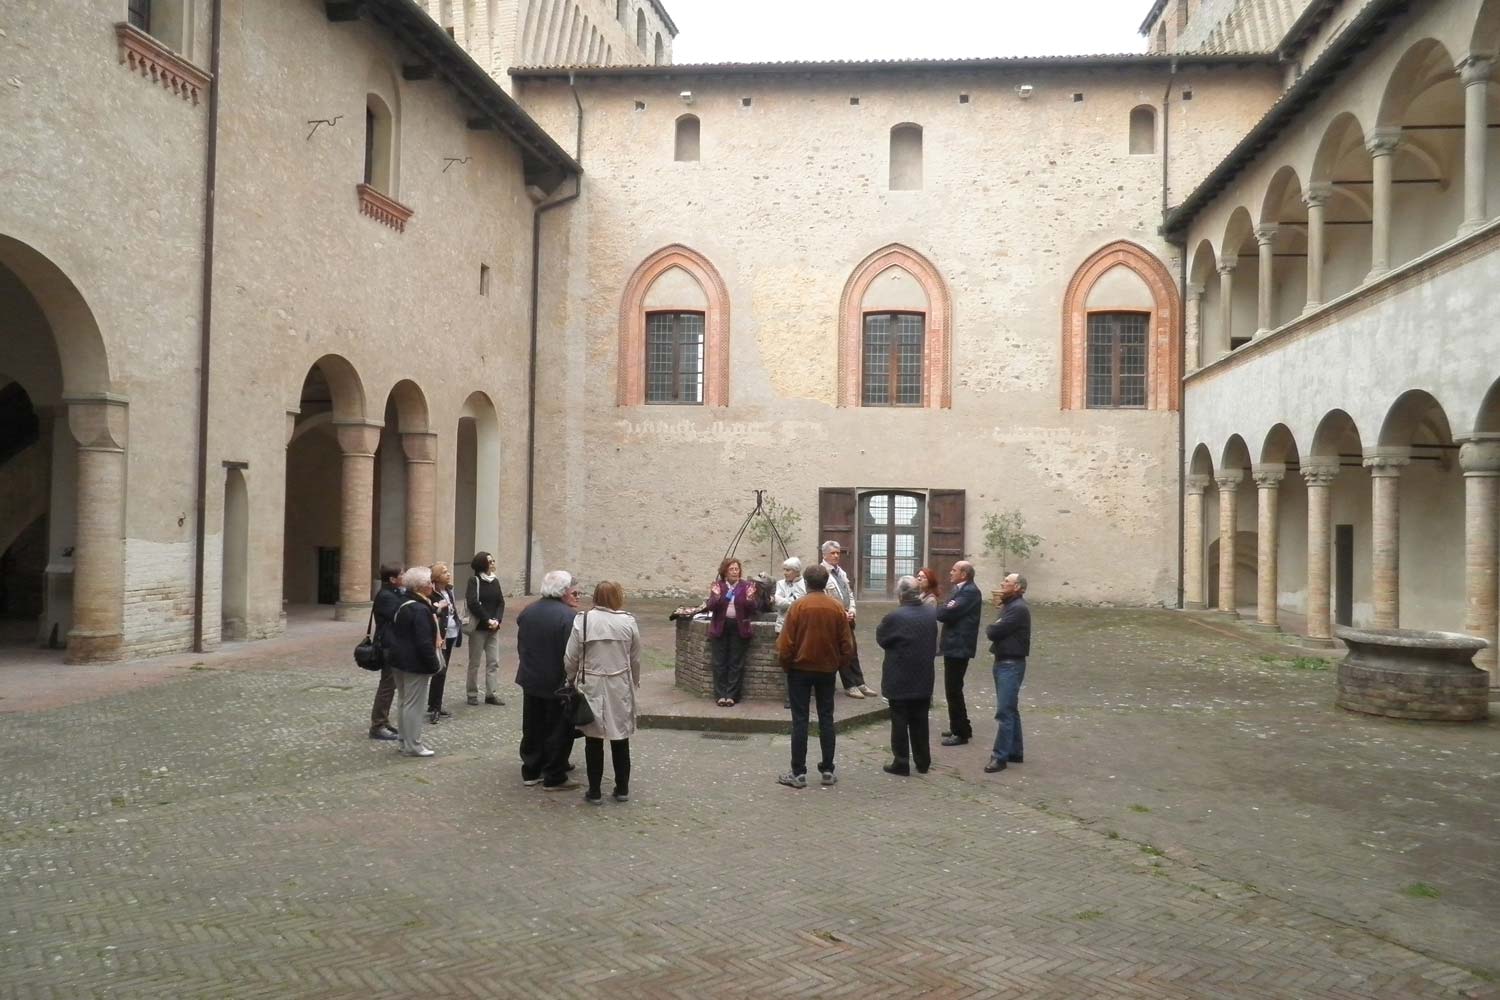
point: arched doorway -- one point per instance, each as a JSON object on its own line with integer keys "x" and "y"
{"x": 235, "y": 584}
{"x": 476, "y": 494}
{"x": 62, "y": 466}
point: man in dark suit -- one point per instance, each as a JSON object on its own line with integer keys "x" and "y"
{"x": 960, "y": 618}
{"x": 909, "y": 637}
{"x": 542, "y": 632}
{"x": 1010, "y": 641}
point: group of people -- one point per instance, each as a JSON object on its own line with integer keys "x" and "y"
{"x": 815, "y": 643}
{"x": 419, "y": 622}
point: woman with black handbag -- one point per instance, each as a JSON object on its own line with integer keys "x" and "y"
{"x": 416, "y": 648}
{"x": 603, "y": 661}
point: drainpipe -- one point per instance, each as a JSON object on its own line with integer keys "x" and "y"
{"x": 210, "y": 181}
{"x": 536, "y": 267}
{"x": 1166, "y": 150}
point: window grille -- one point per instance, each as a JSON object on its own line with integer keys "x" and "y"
{"x": 1117, "y": 360}
{"x": 892, "y": 352}
{"x": 674, "y": 358}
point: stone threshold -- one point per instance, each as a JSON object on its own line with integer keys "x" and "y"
{"x": 665, "y": 706}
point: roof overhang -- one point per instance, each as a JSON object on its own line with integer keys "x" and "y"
{"x": 1156, "y": 9}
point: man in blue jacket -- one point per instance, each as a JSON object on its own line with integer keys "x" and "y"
{"x": 1010, "y": 641}
{"x": 542, "y": 632}
{"x": 960, "y": 618}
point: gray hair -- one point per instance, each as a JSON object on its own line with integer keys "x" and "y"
{"x": 557, "y": 583}
{"x": 966, "y": 568}
{"x": 829, "y": 546}
{"x": 1020, "y": 582}
{"x": 793, "y": 564}
{"x": 907, "y": 591}
{"x": 416, "y": 578}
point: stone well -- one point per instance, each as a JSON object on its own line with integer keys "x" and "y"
{"x": 764, "y": 678}
{"x": 1408, "y": 674}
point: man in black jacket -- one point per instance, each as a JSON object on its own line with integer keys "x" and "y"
{"x": 960, "y": 617}
{"x": 1010, "y": 641}
{"x": 542, "y": 632}
{"x": 388, "y": 599}
{"x": 909, "y": 637}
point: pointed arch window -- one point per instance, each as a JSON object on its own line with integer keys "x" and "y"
{"x": 895, "y": 333}
{"x": 1121, "y": 316}
{"x": 674, "y": 332}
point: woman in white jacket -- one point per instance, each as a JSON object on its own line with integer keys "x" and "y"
{"x": 603, "y": 660}
{"x": 789, "y": 590}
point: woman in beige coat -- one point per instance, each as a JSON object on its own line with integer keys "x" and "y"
{"x": 603, "y": 659}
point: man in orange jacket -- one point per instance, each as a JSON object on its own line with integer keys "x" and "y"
{"x": 814, "y": 643}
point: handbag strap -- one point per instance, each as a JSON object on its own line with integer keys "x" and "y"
{"x": 583, "y": 653}
{"x": 370, "y": 625}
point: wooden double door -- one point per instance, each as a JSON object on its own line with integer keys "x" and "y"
{"x": 888, "y": 534}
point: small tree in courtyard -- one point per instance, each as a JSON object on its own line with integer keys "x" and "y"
{"x": 786, "y": 519}
{"x": 1005, "y": 535}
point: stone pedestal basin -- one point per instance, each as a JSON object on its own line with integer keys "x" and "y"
{"x": 1409, "y": 674}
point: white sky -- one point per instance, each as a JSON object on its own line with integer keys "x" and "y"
{"x": 766, "y": 30}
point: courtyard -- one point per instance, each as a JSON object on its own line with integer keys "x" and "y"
{"x": 1193, "y": 819}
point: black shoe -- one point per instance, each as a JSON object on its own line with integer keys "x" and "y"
{"x": 995, "y": 764}
{"x": 954, "y": 741}
{"x": 946, "y": 732}
{"x": 569, "y": 767}
{"x": 443, "y": 713}
{"x": 1016, "y": 758}
{"x": 493, "y": 699}
{"x": 897, "y": 769}
{"x": 384, "y": 733}
{"x": 473, "y": 699}
{"x": 432, "y": 718}
{"x": 923, "y": 770}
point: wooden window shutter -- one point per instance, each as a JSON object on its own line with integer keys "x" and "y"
{"x": 838, "y": 508}
{"x": 945, "y": 531}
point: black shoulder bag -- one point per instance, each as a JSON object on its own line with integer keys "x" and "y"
{"x": 370, "y": 654}
{"x": 575, "y": 705}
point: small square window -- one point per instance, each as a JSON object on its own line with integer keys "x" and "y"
{"x": 484, "y": 279}
{"x": 1077, "y": 97}
{"x": 854, "y": 102}
{"x": 1187, "y": 93}
{"x": 744, "y": 102}
{"x": 640, "y": 105}
{"x": 963, "y": 98}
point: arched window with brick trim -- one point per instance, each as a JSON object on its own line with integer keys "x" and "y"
{"x": 1121, "y": 317}
{"x": 895, "y": 333}
{"x": 674, "y": 332}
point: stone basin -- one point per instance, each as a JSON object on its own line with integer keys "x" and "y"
{"x": 1412, "y": 674}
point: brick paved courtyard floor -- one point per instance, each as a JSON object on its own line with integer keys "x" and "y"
{"x": 1194, "y": 819}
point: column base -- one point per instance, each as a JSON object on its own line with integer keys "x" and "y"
{"x": 1375, "y": 273}
{"x": 352, "y": 611}
{"x": 1470, "y": 228}
{"x": 1233, "y": 616}
{"x": 1311, "y": 307}
{"x": 94, "y": 647}
{"x": 1261, "y": 334}
{"x": 1314, "y": 642}
{"x": 1262, "y": 627}
{"x": 1194, "y": 606}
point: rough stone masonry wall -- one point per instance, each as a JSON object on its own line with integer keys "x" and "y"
{"x": 764, "y": 678}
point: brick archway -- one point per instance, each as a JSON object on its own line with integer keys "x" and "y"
{"x": 1164, "y": 367}
{"x": 937, "y": 353}
{"x": 631, "y": 379}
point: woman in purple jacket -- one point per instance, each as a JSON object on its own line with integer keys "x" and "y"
{"x": 732, "y": 603}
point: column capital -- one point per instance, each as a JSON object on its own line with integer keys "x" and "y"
{"x": 1267, "y": 475}
{"x": 1320, "y": 471}
{"x": 1226, "y": 267}
{"x": 99, "y": 421}
{"x": 1480, "y": 457}
{"x": 1476, "y": 67}
{"x": 1386, "y": 460}
{"x": 419, "y": 446}
{"x": 1229, "y": 479}
{"x": 358, "y": 437}
{"x": 1196, "y": 483}
{"x": 1264, "y": 235}
{"x": 1383, "y": 141}
{"x": 1317, "y": 194}
{"x": 1194, "y": 291}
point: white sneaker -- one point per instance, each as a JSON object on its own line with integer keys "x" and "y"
{"x": 854, "y": 692}
{"x": 869, "y": 690}
{"x": 420, "y": 751}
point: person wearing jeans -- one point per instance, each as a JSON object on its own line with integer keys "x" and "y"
{"x": 1010, "y": 642}
{"x": 815, "y": 642}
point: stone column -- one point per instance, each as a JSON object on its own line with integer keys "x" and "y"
{"x": 1226, "y": 307}
{"x": 1267, "y": 477}
{"x": 1382, "y": 149}
{"x": 1194, "y": 323}
{"x": 99, "y": 424}
{"x": 1229, "y": 508}
{"x": 1265, "y": 301}
{"x": 1315, "y": 199}
{"x": 421, "y": 487}
{"x": 1475, "y": 73}
{"x": 1385, "y": 549}
{"x": 358, "y": 440}
{"x": 1192, "y": 543}
{"x": 1480, "y": 461}
{"x": 1319, "y": 475}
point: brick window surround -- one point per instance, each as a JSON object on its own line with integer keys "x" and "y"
{"x": 631, "y": 359}
{"x": 145, "y": 55}
{"x": 1163, "y": 365}
{"x": 937, "y": 350}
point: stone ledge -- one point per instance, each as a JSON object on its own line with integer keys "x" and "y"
{"x": 150, "y": 58}
{"x": 666, "y": 706}
{"x": 382, "y": 208}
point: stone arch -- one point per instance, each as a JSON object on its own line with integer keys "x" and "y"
{"x": 1337, "y": 437}
{"x": 1202, "y": 461}
{"x": 1163, "y": 367}
{"x": 640, "y": 29}
{"x": 1205, "y": 333}
{"x": 1236, "y": 454}
{"x": 1485, "y": 37}
{"x": 1424, "y": 65}
{"x": 411, "y": 407}
{"x": 660, "y": 55}
{"x": 631, "y": 362}
{"x": 1280, "y": 446}
{"x": 1341, "y": 158}
{"x": 937, "y": 348}
{"x": 1487, "y": 419}
{"x": 1415, "y": 418}
{"x": 476, "y": 503}
{"x": 1283, "y": 216}
{"x": 1427, "y": 200}
{"x": 345, "y": 389}
{"x": 234, "y": 588}
{"x": 80, "y": 348}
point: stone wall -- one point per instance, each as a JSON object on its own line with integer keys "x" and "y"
{"x": 764, "y": 678}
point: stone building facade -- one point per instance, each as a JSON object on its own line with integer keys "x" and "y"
{"x": 1213, "y": 318}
